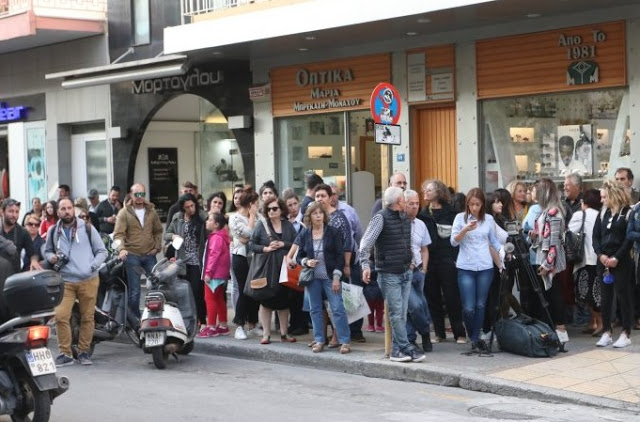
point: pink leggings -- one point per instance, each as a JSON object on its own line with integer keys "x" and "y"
{"x": 216, "y": 306}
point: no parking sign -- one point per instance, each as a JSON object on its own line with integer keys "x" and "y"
{"x": 385, "y": 104}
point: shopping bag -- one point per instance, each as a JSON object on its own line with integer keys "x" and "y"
{"x": 355, "y": 305}
{"x": 289, "y": 277}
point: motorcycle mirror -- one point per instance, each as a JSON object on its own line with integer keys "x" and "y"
{"x": 177, "y": 242}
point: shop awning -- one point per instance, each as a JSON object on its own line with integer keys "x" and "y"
{"x": 157, "y": 67}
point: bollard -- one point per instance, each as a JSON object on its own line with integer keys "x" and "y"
{"x": 387, "y": 332}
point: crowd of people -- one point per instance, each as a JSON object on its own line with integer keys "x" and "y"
{"x": 442, "y": 262}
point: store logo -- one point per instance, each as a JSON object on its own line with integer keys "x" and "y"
{"x": 182, "y": 83}
{"x": 9, "y": 114}
{"x": 583, "y": 51}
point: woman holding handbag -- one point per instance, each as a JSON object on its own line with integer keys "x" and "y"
{"x": 320, "y": 247}
{"x": 274, "y": 235}
{"x": 615, "y": 267}
{"x": 584, "y": 272}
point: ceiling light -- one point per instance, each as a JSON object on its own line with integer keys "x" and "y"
{"x": 411, "y": 34}
{"x": 533, "y": 15}
{"x": 309, "y": 38}
{"x": 303, "y": 49}
{"x": 216, "y": 53}
{"x": 424, "y": 20}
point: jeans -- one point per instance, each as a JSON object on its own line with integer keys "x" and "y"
{"x": 86, "y": 292}
{"x": 133, "y": 278}
{"x": 418, "y": 318}
{"x": 395, "y": 290}
{"x": 314, "y": 291}
{"x": 474, "y": 289}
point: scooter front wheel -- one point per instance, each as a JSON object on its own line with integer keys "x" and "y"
{"x": 35, "y": 405}
{"x": 160, "y": 357}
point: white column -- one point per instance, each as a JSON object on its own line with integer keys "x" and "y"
{"x": 467, "y": 118}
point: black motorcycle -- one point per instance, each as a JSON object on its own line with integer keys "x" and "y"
{"x": 28, "y": 381}
{"x": 111, "y": 315}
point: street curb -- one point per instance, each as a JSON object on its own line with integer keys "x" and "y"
{"x": 358, "y": 363}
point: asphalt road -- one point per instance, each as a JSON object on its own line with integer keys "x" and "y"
{"x": 123, "y": 385}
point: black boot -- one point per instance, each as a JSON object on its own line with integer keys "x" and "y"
{"x": 426, "y": 343}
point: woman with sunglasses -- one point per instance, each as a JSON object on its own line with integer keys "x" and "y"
{"x": 274, "y": 235}
{"x": 615, "y": 267}
{"x": 32, "y": 223}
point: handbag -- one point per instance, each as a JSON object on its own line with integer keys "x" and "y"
{"x": 526, "y": 336}
{"x": 305, "y": 277}
{"x": 574, "y": 244}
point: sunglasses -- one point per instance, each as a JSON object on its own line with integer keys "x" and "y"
{"x": 83, "y": 216}
{"x": 33, "y": 224}
{"x": 140, "y": 194}
{"x": 273, "y": 208}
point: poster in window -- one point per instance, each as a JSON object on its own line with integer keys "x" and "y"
{"x": 575, "y": 150}
{"x": 163, "y": 179}
{"x": 37, "y": 187}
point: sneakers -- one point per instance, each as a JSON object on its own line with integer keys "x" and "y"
{"x": 426, "y": 343}
{"x": 63, "y": 360}
{"x": 358, "y": 338}
{"x": 379, "y": 329}
{"x": 417, "y": 355}
{"x": 398, "y": 356}
{"x": 605, "y": 340}
{"x": 479, "y": 347}
{"x": 223, "y": 331}
{"x": 257, "y": 331}
{"x": 370, "y": 329}
{"x": 623, "y": 341}
{"x": 240, "y": 334}
{"x": 563, "y": 336}
{"x": 84, "y": 359}
{"x": 207, "y": 332}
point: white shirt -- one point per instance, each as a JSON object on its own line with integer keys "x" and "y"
{"x": 474, "y": 252}
{"x": 419, "y": 239}
{"x": 140, "y": 214}
{"x": 590, "y": 257}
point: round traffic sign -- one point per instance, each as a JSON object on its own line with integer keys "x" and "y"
{"x": 385, "y": 104}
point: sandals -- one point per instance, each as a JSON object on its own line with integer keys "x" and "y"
{"x": 286, "y": 338}
{"x": 334, "y": 345}
{"x": 265, "y": 340}
{"x": 317, "y": 348}
{"x": 345, "y": 348}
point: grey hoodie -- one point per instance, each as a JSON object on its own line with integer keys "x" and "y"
{"x": 84, "y": 257}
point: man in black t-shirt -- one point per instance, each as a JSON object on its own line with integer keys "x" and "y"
{"x": 17, "y": 234}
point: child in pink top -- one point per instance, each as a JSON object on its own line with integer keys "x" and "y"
{"x": 215, "y": 273}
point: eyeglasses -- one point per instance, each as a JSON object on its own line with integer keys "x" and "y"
{"x": 140, "y": 194}
{"x": 33, "y": 224}
{"x": 83, "y": 216}
{"x": 273, "y": 208}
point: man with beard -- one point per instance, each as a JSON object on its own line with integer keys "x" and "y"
{"x": 108, "y": 209}
{"x": 81, "y": 246}
{"x": 17, "y": 234}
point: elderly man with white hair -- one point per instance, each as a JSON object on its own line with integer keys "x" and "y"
{"x": 390, "y": 232}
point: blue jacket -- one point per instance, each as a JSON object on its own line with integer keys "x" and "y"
{"x": 333, "y": 248}
{"x": 633, "y": 228}
{"x": 84, "y": 257}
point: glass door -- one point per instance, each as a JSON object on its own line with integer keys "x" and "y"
{"x": 90, "y": 164}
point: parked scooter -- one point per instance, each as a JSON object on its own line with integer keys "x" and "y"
{"x": 111, "y": 315}
{"x": 168, "y": 325}
{"x": 28, "y": 381}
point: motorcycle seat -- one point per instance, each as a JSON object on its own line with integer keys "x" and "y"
{"x": 172, "y": 303}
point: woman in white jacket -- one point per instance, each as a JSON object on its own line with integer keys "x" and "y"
{"x": 584, "y": 273}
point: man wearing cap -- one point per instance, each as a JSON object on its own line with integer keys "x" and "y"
{"x": 107, "y": 210}
{"x": 139, "y": 230}
{"x": 17, "y": 235}
{"x": 187, "y": 187}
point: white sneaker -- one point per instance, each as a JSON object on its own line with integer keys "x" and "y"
{"x": 563, "y": 336}
{"x": 257, "y": 331}
{"x": 605, "y": 340}
{"x": 240, "y": 334}
{"x": 623, "y": 341}
{"x": 485, "y": 336}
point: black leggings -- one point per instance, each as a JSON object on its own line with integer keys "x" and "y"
{"x": 246, "y": 307}
{"x": 623, "y": 287}
{"x": 442, "y": 280}
{"x": 197, "y": 287}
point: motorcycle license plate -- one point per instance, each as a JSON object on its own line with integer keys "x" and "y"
{"x": 40, "y": 361}
{"x": 155, "y": 338}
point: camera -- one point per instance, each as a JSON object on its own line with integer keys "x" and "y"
{"x": 61, "y": 262}
{"x": 512, "y": 227}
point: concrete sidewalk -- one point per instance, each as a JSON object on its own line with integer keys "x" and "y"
{"x": 602, "y": 377}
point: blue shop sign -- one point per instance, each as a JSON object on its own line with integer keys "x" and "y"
{"x": 9, "y": 114}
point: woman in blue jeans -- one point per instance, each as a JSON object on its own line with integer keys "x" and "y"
{"x": 320, "y": 247}
{"x": 474, "y": 231}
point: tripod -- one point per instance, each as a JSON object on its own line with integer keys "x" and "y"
{"x": 525, "y": 277}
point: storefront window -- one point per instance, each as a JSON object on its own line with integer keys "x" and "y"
{"x": 554, "y": 135}
{"x": 317, "y": 144}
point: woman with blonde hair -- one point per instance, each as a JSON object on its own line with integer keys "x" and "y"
{"x": 614, "y": 267}
{"x": 518, "y": 191}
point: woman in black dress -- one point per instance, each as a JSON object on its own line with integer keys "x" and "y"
{"x": 274, "y": 235}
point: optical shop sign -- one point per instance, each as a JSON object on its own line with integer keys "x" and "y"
{"x": 328, "y": 86}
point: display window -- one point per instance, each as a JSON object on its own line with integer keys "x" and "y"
{"x": 554, "y": 135}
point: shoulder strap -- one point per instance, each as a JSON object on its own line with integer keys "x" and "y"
{"x": 265, "y": 223}
{"x": 584, "y": 216}
{"x": 88, "y": 228}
